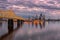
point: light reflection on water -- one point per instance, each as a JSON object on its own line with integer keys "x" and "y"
{"x": 49, "y": 31}
{"x": 29, "y": 31}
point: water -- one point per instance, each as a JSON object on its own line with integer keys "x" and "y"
{"x": 29, "y": 31}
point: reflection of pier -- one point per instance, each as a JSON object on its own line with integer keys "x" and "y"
{"x": 9, "y": 21}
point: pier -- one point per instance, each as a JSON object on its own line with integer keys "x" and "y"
{"x": 9, "y": 21}
{"x": 12, "y": 25}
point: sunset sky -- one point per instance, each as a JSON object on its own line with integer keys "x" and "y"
{"x": 51, "y": 8}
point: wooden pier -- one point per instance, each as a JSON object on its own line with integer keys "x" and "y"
{"x": 9, "y": 20}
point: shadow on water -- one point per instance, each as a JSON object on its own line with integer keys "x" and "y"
{"x": 10, "y": 32}
{"x": 32, "y": 24}
{"x": 42, "y": 25}
{"x": 18, "y": 26}
{"x": 36, "y": 25}
{"x": 46, "y": 35}
{"x": 21, "y": 24}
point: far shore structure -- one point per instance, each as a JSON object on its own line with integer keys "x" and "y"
{"x": 9, "y": 20}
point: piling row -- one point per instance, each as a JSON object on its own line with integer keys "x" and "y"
{"x": 9, "y": 21}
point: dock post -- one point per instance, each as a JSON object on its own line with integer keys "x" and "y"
{"x": 18, "y": 23}
{"x": 10, "y": 25}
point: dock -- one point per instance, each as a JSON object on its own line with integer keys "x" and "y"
{"x": 9, "y": 21}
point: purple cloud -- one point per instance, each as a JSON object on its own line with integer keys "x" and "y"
{"x": 32, "y": 4}
{"x": 35, "y": 5}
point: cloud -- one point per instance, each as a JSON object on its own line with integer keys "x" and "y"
{"x": 46, "y": 5}
{"x": 32, "y": 6}
{"x": 51, "y": 2}
{"x": 3, "y": 0}
{"x": 32, "y": 3}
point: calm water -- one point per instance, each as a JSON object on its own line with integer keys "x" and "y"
{"x": 29, "y": 31}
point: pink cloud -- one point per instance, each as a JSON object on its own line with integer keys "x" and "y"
{"x": 35, "y": 5}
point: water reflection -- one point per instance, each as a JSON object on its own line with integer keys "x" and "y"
{"x": 37, "y": 24}
{"x": 42, "y": 31}
{"x": 21, "y": 24}
{"x": 32, "y": 24}
{"x": 40, "y": 25}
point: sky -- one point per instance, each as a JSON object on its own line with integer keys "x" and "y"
{"x": 51, "y": 8}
